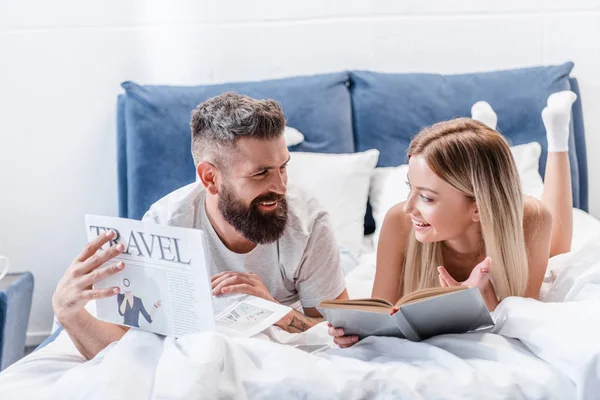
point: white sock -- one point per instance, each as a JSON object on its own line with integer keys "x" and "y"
{"x": 484, "y": 113}
{"x": 557, "y": 120}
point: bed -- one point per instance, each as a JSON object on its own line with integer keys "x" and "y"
{"x": 539, "y": 349}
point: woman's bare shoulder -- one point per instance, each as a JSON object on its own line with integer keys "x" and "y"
{"x": 397, "y": 219}
{"x": 391, "y": 251}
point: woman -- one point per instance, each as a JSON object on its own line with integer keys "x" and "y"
{"x": 466, "y": 222}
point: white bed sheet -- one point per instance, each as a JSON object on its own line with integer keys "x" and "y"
{"x": 540, "y": 350}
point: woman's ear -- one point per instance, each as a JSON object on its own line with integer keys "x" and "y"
{"x": 207, "y": 174}
{"x": 475, "y": 216}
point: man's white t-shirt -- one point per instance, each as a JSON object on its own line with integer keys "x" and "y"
{"x": 302, "y": 268}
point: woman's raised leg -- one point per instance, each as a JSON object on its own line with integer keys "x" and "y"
{"x": 557, "y": 178}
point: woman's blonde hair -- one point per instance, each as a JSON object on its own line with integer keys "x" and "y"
{"x": 477, "y": 161}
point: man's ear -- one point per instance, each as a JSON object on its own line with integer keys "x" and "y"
{"x": 207, "y": 173}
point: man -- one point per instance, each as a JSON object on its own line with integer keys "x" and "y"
{"x": 261, "y": 240}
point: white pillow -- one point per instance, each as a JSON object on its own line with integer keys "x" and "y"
{"x": 388, "y": 186}
{"x": 527, "y": 158}
{"x": 292, "y": 136}
{"x": 340, "y": 183}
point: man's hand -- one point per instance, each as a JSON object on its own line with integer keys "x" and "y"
{"x": 229, "y": 282}
{"x": 248, "y": 283}
{"x": 75, "y": 288}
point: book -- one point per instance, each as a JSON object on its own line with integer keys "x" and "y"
{"x": 417, "y": 316}
{"x": 165, "y": 286}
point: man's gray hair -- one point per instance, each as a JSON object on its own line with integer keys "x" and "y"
{"x": 220, "y": 121}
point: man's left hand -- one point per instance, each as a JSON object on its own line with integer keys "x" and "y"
{"x": 229, "y": 282}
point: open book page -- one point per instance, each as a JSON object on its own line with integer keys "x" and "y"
{"x": 382, "y": 306}
{"x": 165, "y": 286}
{"x": 244, "y": 315}
{"x": 424, "y": 294}
{"x": 373, "y": 305}
{"x": 359, "y": 302}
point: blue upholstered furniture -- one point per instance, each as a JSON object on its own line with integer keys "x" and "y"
{"x": 338, "y": 113}
{"x": 16, "y": 292}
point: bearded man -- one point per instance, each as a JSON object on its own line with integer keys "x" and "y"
{"x": 260, "y": 238}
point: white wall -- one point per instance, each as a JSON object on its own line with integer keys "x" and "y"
{"x": 61, "y": 63}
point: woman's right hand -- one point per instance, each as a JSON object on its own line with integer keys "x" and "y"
{"x": 339, "y": 338}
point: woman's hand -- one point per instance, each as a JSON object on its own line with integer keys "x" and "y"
{"x": 480, "y": 276}
{"x": 339, "y": 338}
{"x": 158, "y": 303}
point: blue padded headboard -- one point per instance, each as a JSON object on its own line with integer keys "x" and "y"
{"x": 580, "y": 148}
{"x": 153, "y": 131}
{"x": 389, "y": 109}
{"x": 338, "y": 113}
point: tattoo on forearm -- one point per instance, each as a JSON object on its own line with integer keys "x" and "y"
{"x": 297, "y": 325}
{"x": 301, "y": 323}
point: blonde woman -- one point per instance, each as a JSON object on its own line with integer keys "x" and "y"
{"x": 466, "y": 222}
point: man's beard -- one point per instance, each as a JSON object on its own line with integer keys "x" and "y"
{"x": 250, "y": 221}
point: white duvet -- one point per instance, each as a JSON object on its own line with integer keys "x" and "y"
{"x": 540, "y": 350}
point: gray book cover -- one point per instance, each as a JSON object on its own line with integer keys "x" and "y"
{"x": 455, "y": 312}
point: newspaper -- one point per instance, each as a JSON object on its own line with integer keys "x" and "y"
{"x": 165, "y": 285}
{"x": 244, "y": 315}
